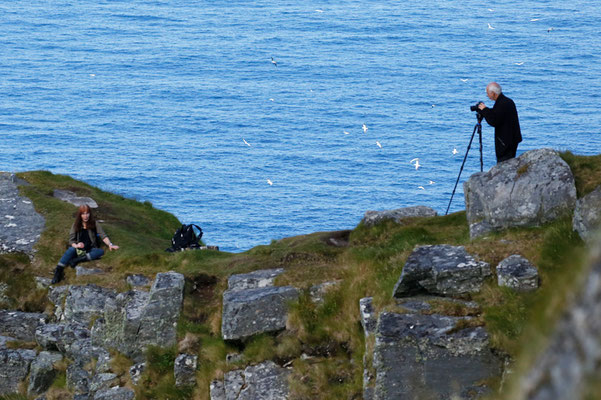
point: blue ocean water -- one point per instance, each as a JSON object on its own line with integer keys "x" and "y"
{"x": 179, "y": 104}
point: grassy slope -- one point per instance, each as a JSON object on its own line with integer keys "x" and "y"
{"x": 330, "y": 333}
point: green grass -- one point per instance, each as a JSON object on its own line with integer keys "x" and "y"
{"x": 328, "y": 333}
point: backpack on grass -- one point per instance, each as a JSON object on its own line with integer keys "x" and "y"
{"x": 186, "y": 237}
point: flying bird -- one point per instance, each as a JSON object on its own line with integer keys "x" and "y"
{"x": 345, "y": 132}
{"x": 519, "y": 63}
{"x": 274, "y": 62}
{"x": 364, "y": 128}
{"x": 271, "y": 99}
{"x": 550, "y": 29}
{"x": 421, "y": 187}
{"x": 379, "y": 145}
{"x": 463, "y": 80}
{"x": 417, "y": 164}
{"x": 248, "y": 144}
{"x": 490, "y": 26}
{"x": 318, "y": 10}
{"x": 269, "y": 182}
{"x": 455, "y": 151}
{"x": 534, "y": 19}
{"x": 431, "y": 182}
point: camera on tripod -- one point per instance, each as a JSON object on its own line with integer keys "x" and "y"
{"x": 475, "y": 108}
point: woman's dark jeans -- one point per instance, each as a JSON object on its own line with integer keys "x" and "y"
{"x": 71, "y": 253}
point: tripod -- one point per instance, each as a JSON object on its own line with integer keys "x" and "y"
{"x": 477, "y": 127}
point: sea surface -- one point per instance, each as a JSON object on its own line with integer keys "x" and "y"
{"x": 179, "y": 103}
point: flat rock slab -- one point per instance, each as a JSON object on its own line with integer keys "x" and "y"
{"x": 587, "y": 215}
{"x": 116, "y": 393}
{"x": 81, "y": 271}
{"x": 42, "y": 372}
{"x": 253, "y": 311}
{"x": 20, "y": 325}
{"x": 85, "y": 303}
{"x": 14, "y": 367}
{"x": 426, "y": 356}
{"x": 533, "y": 189}
{"x": 265, "y": 381}
{"x": 441, "y": 270}
{"x": 20, "y": 225}
{"x": 372, "y": 218}
{"x": 70, "y": 197}
{"x": 184, "y": 369}
{"x": 517, "y": 273}
{"x": 256, "y": 279}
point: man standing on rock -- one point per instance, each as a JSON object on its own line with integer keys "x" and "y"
{"x": 504, "y": 117}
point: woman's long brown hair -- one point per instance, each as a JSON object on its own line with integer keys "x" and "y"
{"x": 79, "y": 223}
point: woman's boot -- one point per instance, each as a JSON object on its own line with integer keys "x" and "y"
{"x": 74, "y": 261}
{"x": 58, "y": 274}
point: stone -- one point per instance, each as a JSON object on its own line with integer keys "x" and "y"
{"x": 233, "y": 358}
{"x": 103, "y": 361}
{"x": 318, "y": 292}
{"x": 4, "y": 340}
{"x": 372, "y": 218}
{"x": 71, "y": 197}
{"x": 441, "y": 270}
{"x": 184, "y": 370}
{"x": 42, "y": 372}
{"x": 103, "y": 381}
{"x": 20, "y": 225}
{"x": 368, "y": 318}
{"x": 137, "y": 280}
{"x": 517, "y": 273}
{"x": 78, "y": 379}
{"x": 85, "y": 303}
{"x": 116, "y": 393}
{"x": 136, "y": 371}
{"x": 249, "y": 312}
{"x": 587, "y": 215}
{"x": 14, "y": 367}
{"x": 134, "y": 320}
{"x": 256, "y": 279}
{"x": 20, "y": 325}
{"x": 535, "y": 188}
{"x": 60, "y": 336}
{"x": 265, "y": 381}
{"x": 42, "y": 282}
{"x": 426, "y": 356}
{"x": 569, "y": 363}
{"x": 81, "y": 271}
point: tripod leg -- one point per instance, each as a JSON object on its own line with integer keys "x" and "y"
{"x": 462, "y": 164}
{"x": 480, "y": 137}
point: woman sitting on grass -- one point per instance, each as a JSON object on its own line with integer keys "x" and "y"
{"x": 84, "y": 242}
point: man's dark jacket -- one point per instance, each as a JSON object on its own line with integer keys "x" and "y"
{"x": 504, "y": 117}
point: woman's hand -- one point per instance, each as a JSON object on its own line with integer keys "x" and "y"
{"x": 79, "y": 245}
{"x": 113, "y": 247}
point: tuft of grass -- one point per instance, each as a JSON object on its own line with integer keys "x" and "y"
{"x": 586, "y": 170}
{"x": 21, "y": 293}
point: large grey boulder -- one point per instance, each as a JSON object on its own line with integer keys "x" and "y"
{"x": 428, "y": 357}
{"x": 587, "y": 214}
{"x": 71, "y": 197}
{"x": 442, "y": 270}
{"x": 84, "y": 304}
{"x": 265, "y": 381}
{"x": 20, "y": 225}
{"x": 570, "y": 361}
{"x": 252, "y": 280}
{"x": 533, "y": 189}
{"x": 184, "y": 370}
{"x": 134, "y": 320}
{"x": 372, "y": 218}
{"x": 14, "y": 367}
{"x": 20, "y": 325}
{"x": 518, "y": 273}
{"x": 42, "y": 372}
{"x": 249, "y": 312}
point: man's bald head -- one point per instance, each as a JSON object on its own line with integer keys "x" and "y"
{"x": 493, "y": 90}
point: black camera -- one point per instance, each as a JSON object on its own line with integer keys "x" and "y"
{"x": 475, "y": 108}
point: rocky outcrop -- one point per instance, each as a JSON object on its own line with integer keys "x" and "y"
{"x": 372, "y": 218}
{"x": 20, "y": 225}
{"x": 535, "y": 188}
{"x": 42, "y": 372}
{"x": 265, "y": 381}
{"x": 134, "y": 320}
{"x": 83, "y": 304}
{"x": 431, "y": 356}
{"x": 587, "y": 214}
{"x": 20, "y": 325}
{"x": 252, "y": 306}
{"x": 517, "y": 273}
{"x": 572, "y": 358}
{"x": 70, "y": 197}
{"x": 14, "y": 367}
{"x": 441, "y": 270}
{"x": 115, "y": 393}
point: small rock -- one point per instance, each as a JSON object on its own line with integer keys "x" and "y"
{"x": 42, "y": 283}
{"x": 372, "y": 218}
{"x": 136, "y": 371}
{"x": 116, "y": 393}
{"x": 256, "y": 279}
{"x": 78, "y": 379}
{"x": 137, "y": 280}
{"x": 517, "y": 273}
{"x": 81, "y": 271}
{"x": 318, "y": 292}
{"x": 185, "y": 370}
{"x": 20, "y": 325}
{"x": 368, "y": 319}
{"x": 103, "y": 381}
{"x": 233, "y": 358}
{"x": 70, "y": 197}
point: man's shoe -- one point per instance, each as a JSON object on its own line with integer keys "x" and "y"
{"x": 58, "y": 274}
